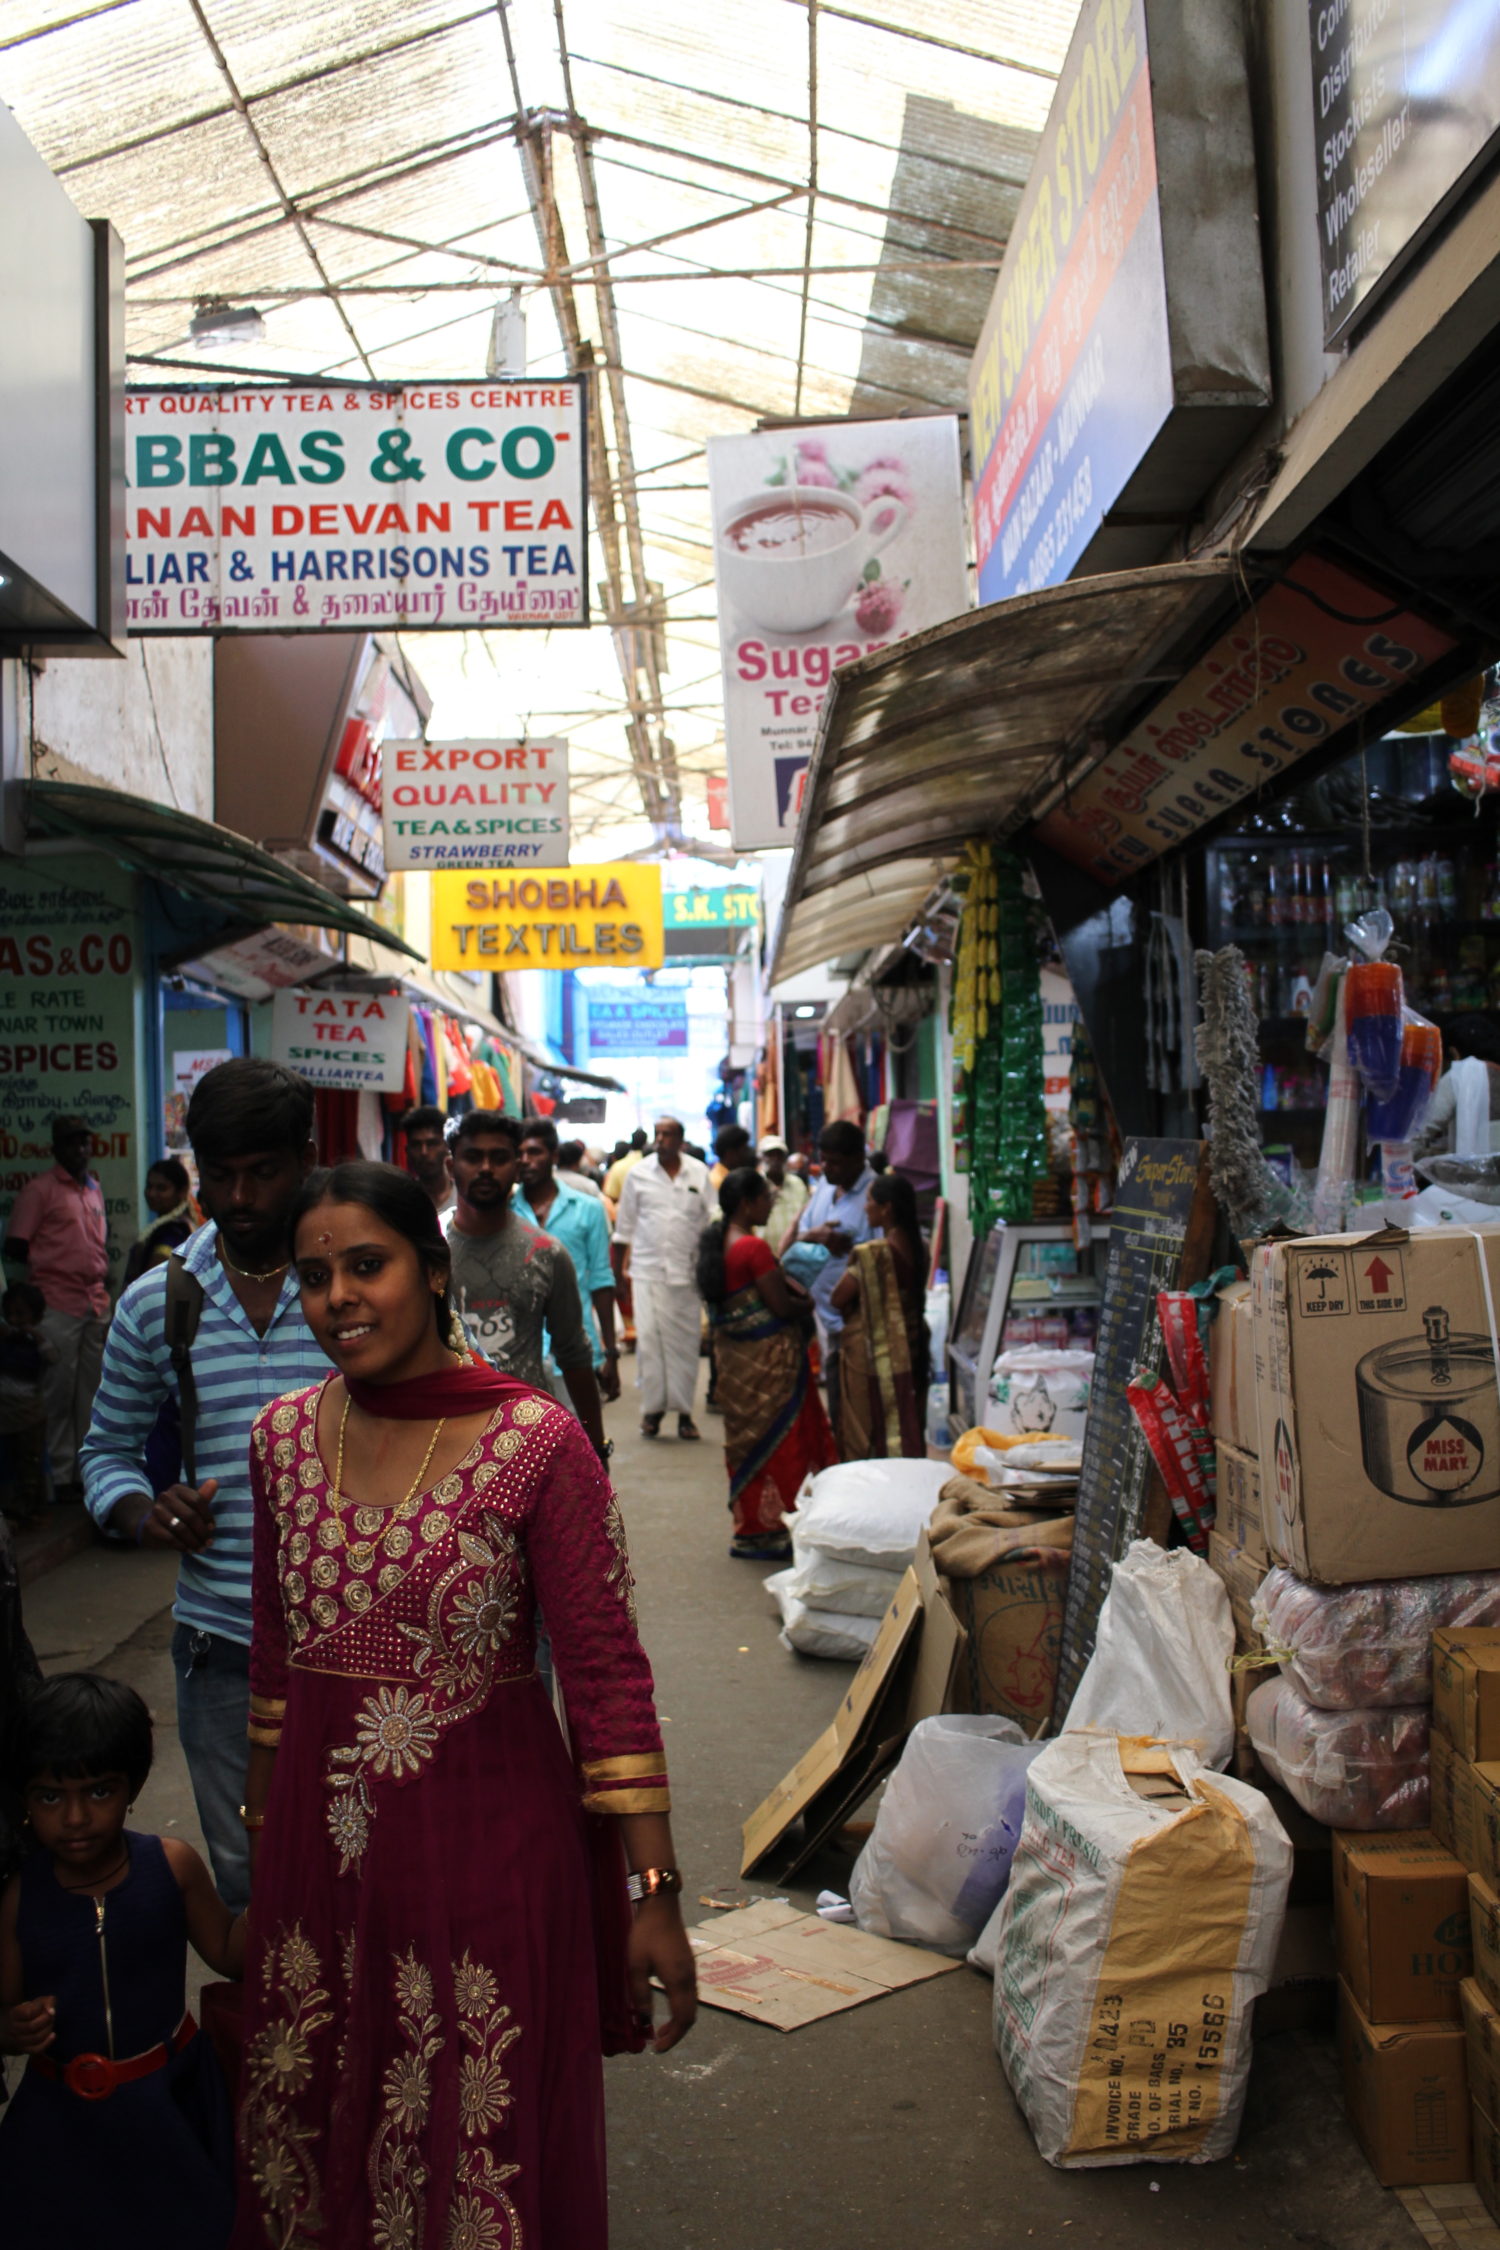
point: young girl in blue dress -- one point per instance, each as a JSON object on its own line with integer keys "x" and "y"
{"x": 120, "y": 2128}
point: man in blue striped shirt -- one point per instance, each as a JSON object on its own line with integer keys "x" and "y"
{"x": 250, "y": 1124}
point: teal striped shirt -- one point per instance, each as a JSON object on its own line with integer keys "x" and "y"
{"x": 237, "y": 1373}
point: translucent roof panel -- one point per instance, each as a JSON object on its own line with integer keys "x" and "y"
{"x": 800, "y": 212}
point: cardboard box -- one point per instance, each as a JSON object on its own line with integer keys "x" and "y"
{"x": 1378, "y": 1406}
{"x": 1401, "y": 1908}
{"x": 1484, "y": 1936}
{"x": 1013, "y": 1616}
{"x": 1238, "y": 1501}
{"x": 1466, "y": 1689}
{"x": 1231, "y": 1368}
{"x": 1482, "y": 2031}
{"x": 1453, "y": 1817}
{"x": 1407, "y": 2093}
{"x": 1242, "y": 1574}
{"x": 1484, "y": 1815}
{"x": 1303, "y": 1988}
{"x": 1486, "y": 2136}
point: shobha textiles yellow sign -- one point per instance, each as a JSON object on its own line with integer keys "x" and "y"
{"x": 575, "y": 918}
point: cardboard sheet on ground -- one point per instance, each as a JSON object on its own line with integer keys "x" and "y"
{"x": 779, "y": 1966}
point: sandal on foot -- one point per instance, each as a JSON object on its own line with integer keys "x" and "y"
{"x": 687, "y": 1427}
{"x": 651, "y": 1425}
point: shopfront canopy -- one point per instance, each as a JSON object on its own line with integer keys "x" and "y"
{"x": 194, "y": 856}
{"x": 959, "y": 731}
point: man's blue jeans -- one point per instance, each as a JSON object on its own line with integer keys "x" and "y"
{"x": 213, "y": 1713}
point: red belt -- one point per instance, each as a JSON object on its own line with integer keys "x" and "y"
{"x": 93, "y": 2078}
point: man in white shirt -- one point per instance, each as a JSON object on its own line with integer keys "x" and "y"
{"x": 664, "y": 1207}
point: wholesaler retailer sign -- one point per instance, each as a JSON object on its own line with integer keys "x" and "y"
{"x": 300, "y": 508}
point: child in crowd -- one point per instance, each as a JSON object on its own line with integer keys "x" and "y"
{"x": 25, "y": 1354}
{"x": 119, "y": 2131}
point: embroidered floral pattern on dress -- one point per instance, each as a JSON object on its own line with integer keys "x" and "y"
{"x": 398, "y": 2173}
{"x": 621, "y": 1577}
{"x": 279, "y": 2065}
{"x": 482, "y": 2216}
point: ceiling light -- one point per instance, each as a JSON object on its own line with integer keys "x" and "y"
{"x": 215, "y": 325}
{"x": 804, "y": 1012}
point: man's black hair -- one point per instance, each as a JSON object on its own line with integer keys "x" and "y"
{"x": 1474, "y": 1034}
{"x": 570, "y": 1155}
{"x": 78, "y": 1724}
{"x": 425, "y": 1118}
{"x": 64, "y": 1126}
{"x": 842, "y": 1138}
{"x": 478, "y": 1121}
{"x": 541, "y": 1129}
{"x": 731, "y": 1145}
{"x": 247, "y": 1104}
{"x": 639, "y": 1137}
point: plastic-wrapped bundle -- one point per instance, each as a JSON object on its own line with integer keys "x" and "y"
{"x": 1355, "y": 1647}
{"x": 1350, "y": 1769}
{"x": 1372, "y": 1004}
{"x": 1396, "y": 1121}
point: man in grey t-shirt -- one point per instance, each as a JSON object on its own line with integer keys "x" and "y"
{"x": 510, "y": 1281}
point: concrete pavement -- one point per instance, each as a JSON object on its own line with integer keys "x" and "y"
{"x": 880, "y": 2129}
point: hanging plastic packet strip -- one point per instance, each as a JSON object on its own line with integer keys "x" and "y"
{"x": 1374, "y": 999}
{"x": 1176, "y": 1456}
{"x": 1399, "y": 1118}
{"x": 1177, "y": 1310}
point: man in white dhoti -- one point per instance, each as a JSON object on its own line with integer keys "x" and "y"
{"x": 664, "y": 1206}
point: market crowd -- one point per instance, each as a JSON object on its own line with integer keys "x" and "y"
{"x": 363, "y": 1407}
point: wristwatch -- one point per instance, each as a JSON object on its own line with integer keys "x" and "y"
{"x": 650, "y": 1880}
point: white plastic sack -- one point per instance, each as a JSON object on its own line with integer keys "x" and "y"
{"x": 1135, "y": 1934}
{"x": 870, "y": 1512}
{"x": 938, "y": 1858}
{"x": 824, "y": 1582}
{"x": 820, "y": 1632}
{"x": 1162, "y": 1654}
{"x": 1038, "y": 1387}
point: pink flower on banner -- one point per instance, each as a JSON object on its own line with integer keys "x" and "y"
{"x": 812, "y": 449}
{"x": 877, "y": 607}
{"x": 882, "y": 484}
{"x": 811, "y": 472}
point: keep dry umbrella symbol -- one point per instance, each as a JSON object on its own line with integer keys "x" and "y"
{"x": 1322, "y": 1274}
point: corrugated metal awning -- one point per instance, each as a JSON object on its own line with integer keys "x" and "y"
{"x": 955, "y": 732}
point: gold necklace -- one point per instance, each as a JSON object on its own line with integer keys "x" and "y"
{"x": 362, "y": 1552}
{"x": 244, "y": 1271}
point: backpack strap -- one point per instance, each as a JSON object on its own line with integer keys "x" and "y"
{"x": 181, "y": 1314}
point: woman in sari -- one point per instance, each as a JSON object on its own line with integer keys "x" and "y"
{"x": 775, "y": 1430}
{"x": 883, "y": 1350}
{"x": 441, "y": 1941}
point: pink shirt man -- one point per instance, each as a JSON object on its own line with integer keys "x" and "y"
{"x": 62, "y": 1220}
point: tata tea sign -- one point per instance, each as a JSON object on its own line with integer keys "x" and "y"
{"x": 291, "y": 508}
{"x": 1124, "y": 355}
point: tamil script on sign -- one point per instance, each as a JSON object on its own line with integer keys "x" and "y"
{"x": 296, "y": 508}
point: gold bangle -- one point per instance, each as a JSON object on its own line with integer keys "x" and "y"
{"x": 252, "y": 1820}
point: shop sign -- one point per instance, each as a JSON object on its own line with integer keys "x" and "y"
{"x": 1406, "y": 95}
{"x": 69, "y": 973}
{"x": 604, "y": 917}
{"x": 1072, "y": 375}
{"x": 1060, "y": 1014}
{"x": 733, "y": 906}
{"x": 347, "y": 1039}
{"x": 633, "y": 1020}
{"x": 829, "y": 543}
{"x": 1295, "y": 671}
{"x": 253, "y": 967}
{"x": 476, "y": 803}
{"x": 292, "y": 508}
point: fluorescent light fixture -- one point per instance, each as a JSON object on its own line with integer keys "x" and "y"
{"x": 507, "y": 352}
{"x": 215, "y": 325}
{"x": 804, "y": 1011}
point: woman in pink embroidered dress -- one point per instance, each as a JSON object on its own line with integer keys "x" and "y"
{"x": 440, "y": 1935}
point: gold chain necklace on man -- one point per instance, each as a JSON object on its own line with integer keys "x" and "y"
{"x": 244, "y": 1271}
{"x": 362, "y": 1552}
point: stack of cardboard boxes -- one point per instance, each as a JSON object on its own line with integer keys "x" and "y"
{"x": 1466, "y": 1816}
{"x": 1355, "y": 1392}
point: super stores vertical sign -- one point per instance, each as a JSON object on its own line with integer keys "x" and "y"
{"x": 276, "y": 509}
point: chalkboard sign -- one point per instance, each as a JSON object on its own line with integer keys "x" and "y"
{"x": 1161, "y": 1237}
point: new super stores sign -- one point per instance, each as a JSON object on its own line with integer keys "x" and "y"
{"x": 286, "y": 508}
{"x": 1130, "y": 302}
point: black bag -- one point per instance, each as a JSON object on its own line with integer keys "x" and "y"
{"x": 171, "y": 1448}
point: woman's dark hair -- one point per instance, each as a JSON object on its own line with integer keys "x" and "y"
{"x": 735, "y": 1189}
{"x": 1474, "y": 1034}
{"x": 78, "y": 1724}
{"x": 399, "y": 1202}
{"x": 247, "y": 1104}
{"x": 172, "y": 1168}
{"x": 895, "y": 1194}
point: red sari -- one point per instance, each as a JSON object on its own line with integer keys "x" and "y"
{"x": 776, "y": 1433}
{"x": 423, "y": 2000}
